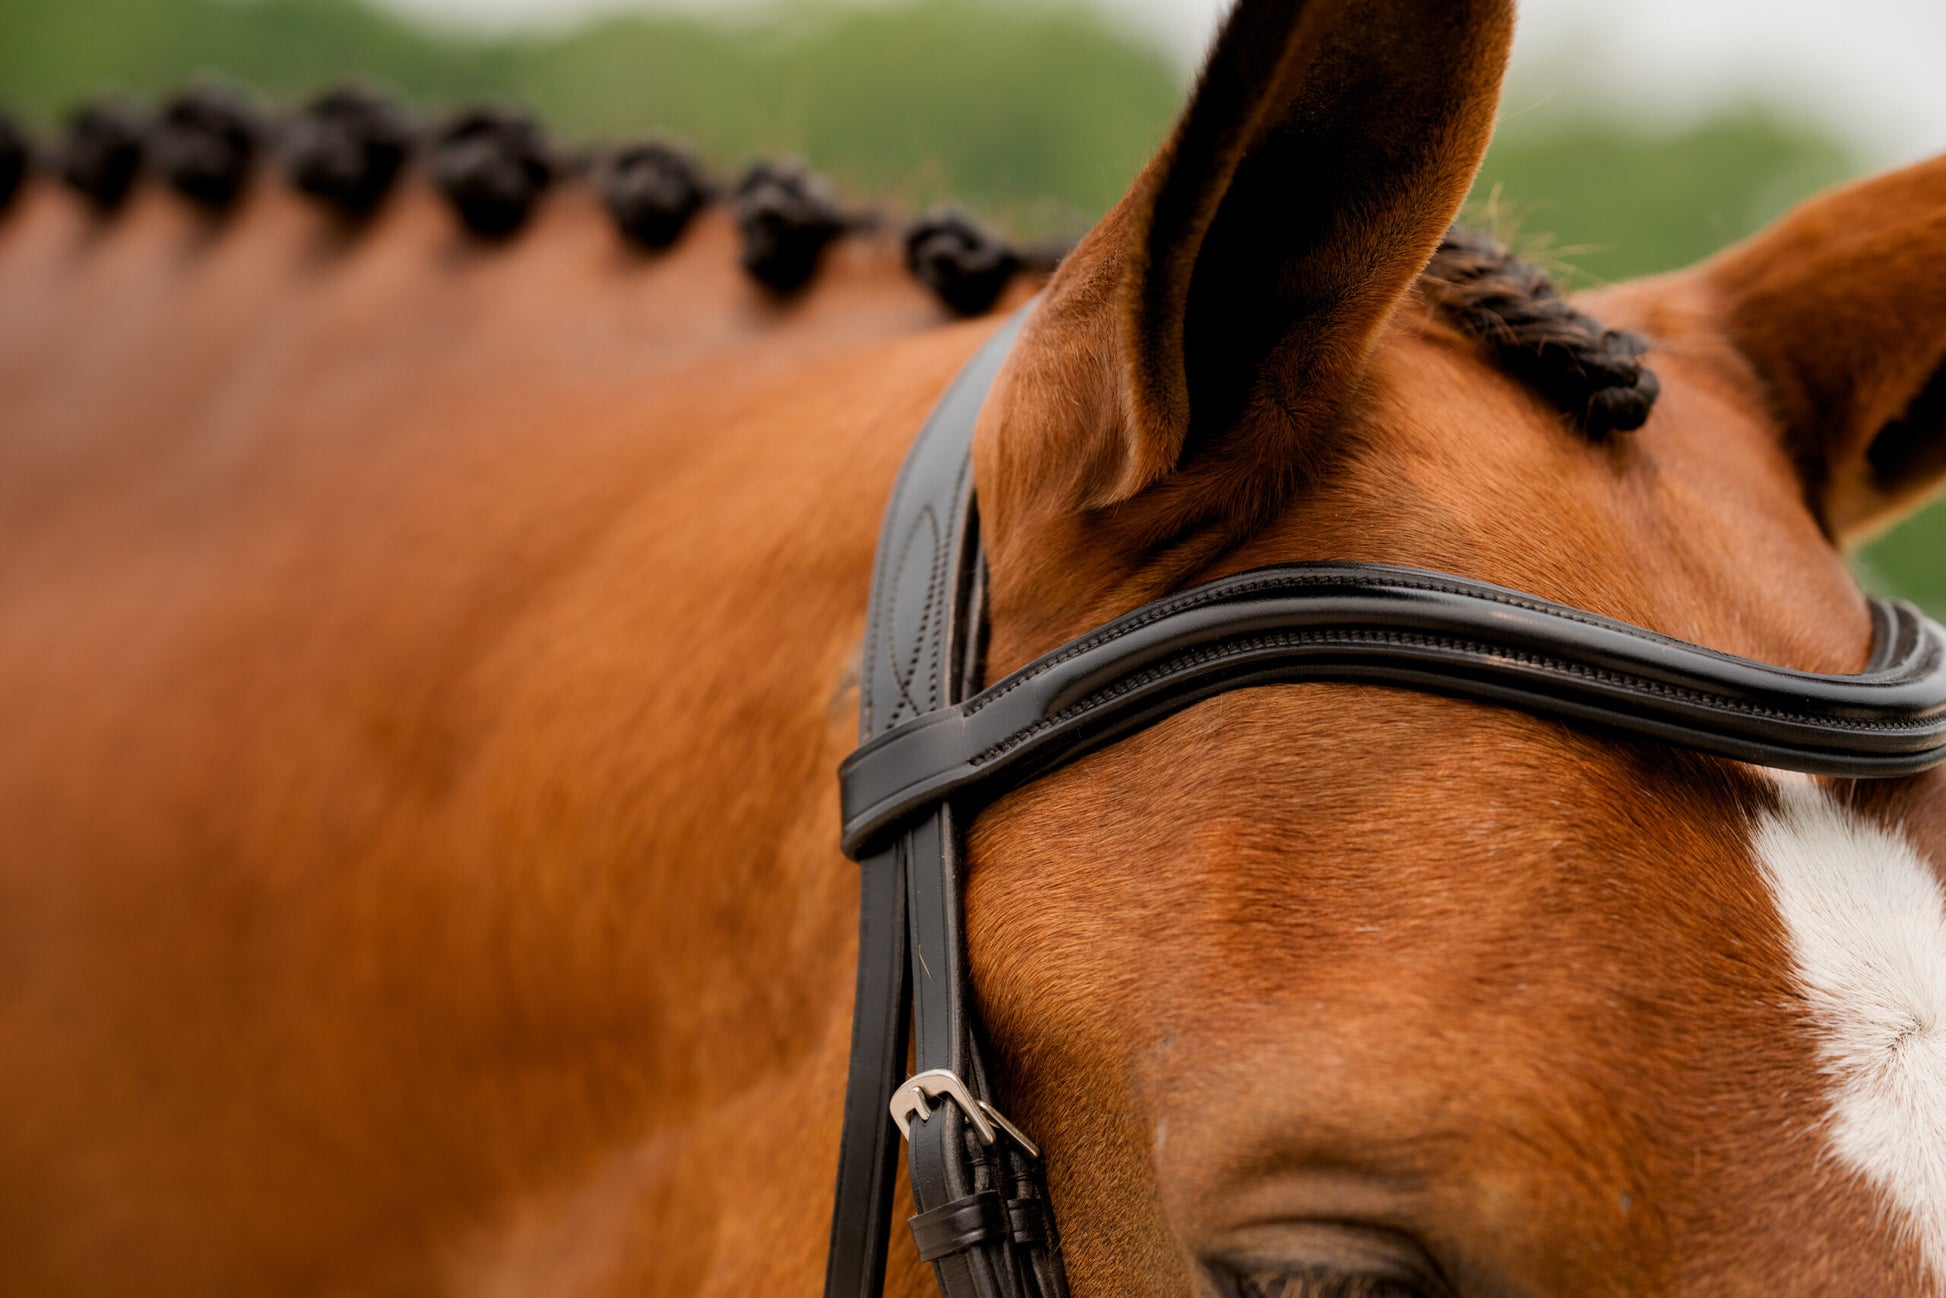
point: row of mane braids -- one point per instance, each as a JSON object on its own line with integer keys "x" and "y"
{"x": 349, "y": 149}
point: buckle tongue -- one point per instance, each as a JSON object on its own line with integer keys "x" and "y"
{"x": 909, "y": 1101}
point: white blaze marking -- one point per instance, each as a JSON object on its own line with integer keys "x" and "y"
{"x": 1867, "y": 925}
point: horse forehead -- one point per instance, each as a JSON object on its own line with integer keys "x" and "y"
{"x": 1345, "y": 835}
{"x": 1645, "y": 997}
{"x": 1695, "y": 525}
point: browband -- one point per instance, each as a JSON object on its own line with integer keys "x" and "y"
{"x": 932, "y": 752}
{"x": 1406, "y": 626}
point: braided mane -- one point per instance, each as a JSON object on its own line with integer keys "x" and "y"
{"x": 350, "y": 147}
{"x": 1595, "y": 374}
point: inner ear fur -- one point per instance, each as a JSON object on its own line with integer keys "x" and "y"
{"x": 1220, "y": 317}
{"x": 1841, "y": 310}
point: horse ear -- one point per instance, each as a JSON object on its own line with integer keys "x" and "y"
{"x": 1841, "y": 309}
{"x": 1233, "y": 297}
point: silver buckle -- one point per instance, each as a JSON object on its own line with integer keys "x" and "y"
{"x": 909, "y": 1101}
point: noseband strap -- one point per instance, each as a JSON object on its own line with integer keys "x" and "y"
{"x": 932, "y": 751}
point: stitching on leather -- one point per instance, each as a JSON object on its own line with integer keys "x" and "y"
{"x": 928, "y": 514}
{"x": 883, "y": 594}
{"x": 880, "y": 608}
{"x": 931, "y": 625}
{"x": 1197, "y": 599}
{"x": 943, "y": 584}
{"x": 1193, "y": 658}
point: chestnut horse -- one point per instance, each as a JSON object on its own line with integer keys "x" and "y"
{"x": 424, "y": 666}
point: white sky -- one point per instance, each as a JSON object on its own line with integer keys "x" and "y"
{"x": 1870, "y": 68}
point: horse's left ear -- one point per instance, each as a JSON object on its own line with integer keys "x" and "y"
{"x": 1195, "y": 351}
{"x": 1841, "y": 308}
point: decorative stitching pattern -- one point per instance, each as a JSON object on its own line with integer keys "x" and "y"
{"x": 1559, "y": 666}
{"x": 944, "y": 587}
{"x": 878, "y": 611}
{"x": 881, "y": 620}
{"x": 926, "y": 614}
{"x": 1285, "y": 580}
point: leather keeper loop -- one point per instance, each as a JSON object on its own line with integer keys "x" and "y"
{"x": 962, "y": 1224}
{"x": 1027, "y": 1219}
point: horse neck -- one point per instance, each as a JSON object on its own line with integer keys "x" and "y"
{"x": 504, "y": 602}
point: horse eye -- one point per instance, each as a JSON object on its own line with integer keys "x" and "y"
{"x": 1266, "y": 1283}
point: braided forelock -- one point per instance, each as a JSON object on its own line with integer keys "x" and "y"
{"x": 1593, "y": 373}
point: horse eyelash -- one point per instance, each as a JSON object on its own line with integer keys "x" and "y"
{"x": 1320, "y": 1284}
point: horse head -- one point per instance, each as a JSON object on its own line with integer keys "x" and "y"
{"x": 425, "y": 655}
{"x": 1332, "y": 989}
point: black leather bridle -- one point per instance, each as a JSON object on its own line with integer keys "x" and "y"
{"x": 932, "y": 751}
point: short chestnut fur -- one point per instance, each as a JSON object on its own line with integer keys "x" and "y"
{"x": 423, "y": 669}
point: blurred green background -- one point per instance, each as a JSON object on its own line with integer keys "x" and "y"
{"x": 1033, "y": 114}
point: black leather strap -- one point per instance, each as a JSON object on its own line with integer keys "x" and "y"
{"x": 921, "y": 654}
{"x": 930, "y": 755}
{"x": 1406, "y": 626}
{"x": 869, "y": 1149}
{"x": 959, "y": 1225}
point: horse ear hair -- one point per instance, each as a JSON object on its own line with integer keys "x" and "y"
{"x": 1323, "y": 156}
{"x": 1840, "y": 308}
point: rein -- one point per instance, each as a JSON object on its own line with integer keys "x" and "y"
{"x": 932, "y": 751}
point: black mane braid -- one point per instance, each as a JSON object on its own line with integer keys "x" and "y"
{"x": 16, "y": 155}
{"x": 1593, "y": 373}
{"x": 966, "y": 266}
{"x": 205, "y": 144}
{"x": 787, "y": 216}
{"x": 346, "y": 149}
{"x": 493, "y": 165}
{"x": 101, "y": 152}
{"x": 652, "y": 191}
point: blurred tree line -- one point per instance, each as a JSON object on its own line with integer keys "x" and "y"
{"x": 1034, "y": 113}
{"x": 1037, "y": 115}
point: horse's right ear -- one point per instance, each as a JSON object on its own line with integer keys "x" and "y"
{"x": 1840, "y": 308}
{"x": 1218, "y": 319}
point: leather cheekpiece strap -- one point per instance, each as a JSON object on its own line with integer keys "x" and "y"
{"x": 983, "y": 1221}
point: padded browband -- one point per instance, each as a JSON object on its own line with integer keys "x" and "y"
{"x": 1406, "y": 626}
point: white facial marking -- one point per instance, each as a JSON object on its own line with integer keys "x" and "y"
{"x": 1867, "y": 925}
